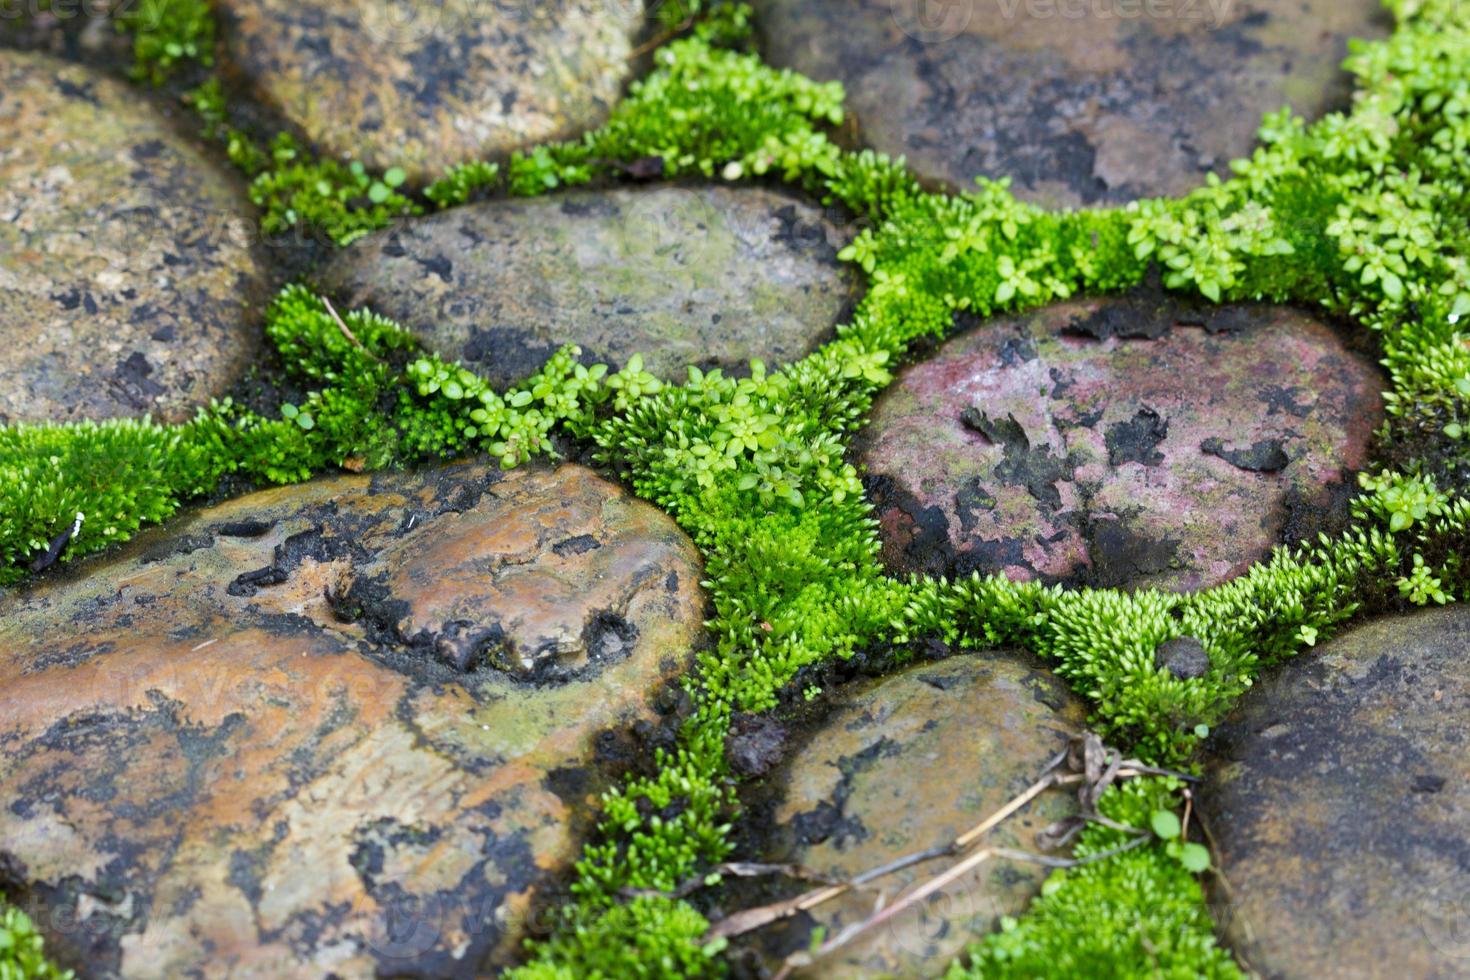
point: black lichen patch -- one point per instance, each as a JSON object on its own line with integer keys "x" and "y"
{"x": 1035, "y": 468}
{"x": 248, "y": 528}
{"x": 1123, "y": 321}
{"x": 1136, "y": 440}
{"x": 1121, "y": 554}
{"x": 313, "y": 544}
{"x": 183, "y": 545}
{"x": 579, "y": 545}
{"x": 829, "y": 819}
{"x": 1264, "y": 456}
{"x": 131, "y": 380}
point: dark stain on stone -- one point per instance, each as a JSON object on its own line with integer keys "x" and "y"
{"x": 1120, "y": 554}
{"x": 183, "y": 545}
{"x": 438, "y": 265}
{"x": 244, "y": 529}
{"x": 131, "y": 382}
{"x": 579, "y": 545}
{"x": 1264, "y": 456}
{"x": 1036, "y": 469}
{"x": 1427, "y": 783}
{"x": 1018, "y": 350}
{"x": 1118, "y": 320}
{"x": 290, "y": 553}
{"x": 1136, "y": 440}
{"x": 72, "y": 655}
{"x": 1279, "y": 400}
{"x": 971, "y": 500}
{"x": 507, "y": 354}
{"x": 828, "y": 821}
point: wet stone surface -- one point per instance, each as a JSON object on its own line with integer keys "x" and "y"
{"x": 1079, "y": 102}
{"x": 127, "y": 270}
{"x": 284, "y": 736}
{"x": 707, "y": 276}
{"x": 1339, "y": 794}
{"x": 1131, "y": 442}
{"x": 426, "y": 85}
{"x": 909, "y": 762}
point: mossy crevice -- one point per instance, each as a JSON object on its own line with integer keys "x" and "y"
{"x": 1365, "y": 213}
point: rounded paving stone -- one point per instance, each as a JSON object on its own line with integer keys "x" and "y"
{"x": 1133, "y": 442}
{"x": 127, "y": 268}
{"x": 912, "y": 761}
{"x": 427, "y": 84}
{"x": 1080, "y": 101}
{"x": 707, "y": 276}
{"x": 286, "y": 738}
{"x": 1339, "y": 796}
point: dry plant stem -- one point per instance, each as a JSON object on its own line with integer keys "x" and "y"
{"x": 346, "y": 330}
{"x": 938, "y": 882}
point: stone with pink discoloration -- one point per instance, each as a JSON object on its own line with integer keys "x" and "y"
{"x": 1123, "y": 443}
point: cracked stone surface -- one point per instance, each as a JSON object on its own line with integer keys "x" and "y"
{"x": 708, "y": 276}
{"x": 1080, "y": 101}
{"x": 128, "y": 271}
{"x": 425, "y": 84}
{"x": 1339, "y": 794}
{"x": 241, "y": 746}
{"x": 912, "y": 761}
{"x": 1132, "y": 442}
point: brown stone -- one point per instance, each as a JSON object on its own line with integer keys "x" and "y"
{"x": 235, "y": 749}
{"x": 1126, "y": 443}
{"x": 1339, "y": 796}
{"x": 426, "y": 84}
{"x": 910, "y": 762}
{"x": 1080, "y": 101}
{"x": 708, "y": 276}
{"x": 127, "y": 269}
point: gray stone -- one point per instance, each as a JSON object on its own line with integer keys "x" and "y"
{"x": 708, "y": 276}
{"x": 128, "y": 270}
{"x": 1080, "y": 101}
{"x": 425, "y": 84}
{"x": 909, "y": 762}
{"x": 1339, "y": 795}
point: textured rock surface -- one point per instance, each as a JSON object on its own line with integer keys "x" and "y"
{"x": 1079, "y": 100}
{"x": 126, "y": 264}
{"x": 1340, "y": 798}
{"x": 912, "y": 761}
{"x": 707, "y": 276}
{"x": 243, "y": 746}
{"x": 426, "y": 84}
{"x": 1166, "y": 454}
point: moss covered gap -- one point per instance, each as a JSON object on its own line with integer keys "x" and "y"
{"x": 1364, "y": 213}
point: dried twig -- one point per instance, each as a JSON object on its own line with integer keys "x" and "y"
{"x": 735, "y": 869}
{"x": 1092, "y": 767}
{"x": 346, "y": 330}
{"x": 938, "y": 882}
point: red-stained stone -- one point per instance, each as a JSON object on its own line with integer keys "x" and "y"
{"x": 1107, "y": 475}
{"x": 354, "y": 765}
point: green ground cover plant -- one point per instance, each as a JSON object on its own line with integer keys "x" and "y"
{"x": 1364, "y": 214}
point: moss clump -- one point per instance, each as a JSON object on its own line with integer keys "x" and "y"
{"x": 22, "y": 954}
{"x": 166, "y": 35}
{"x": 1365, "y": 213}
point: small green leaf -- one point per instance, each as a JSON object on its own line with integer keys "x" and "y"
{"x": 395, "y": 177}
{"x": 378, "y": 192}
{"x": 1165, "y": 824}
{"x": 1195, "y": 858}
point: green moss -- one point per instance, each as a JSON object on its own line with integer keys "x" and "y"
{"x": 22, "y": 954}
{"x": 167, "y": 34}
{"x": 1139, "y": 914}
{"x": 1365, "y": 213}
